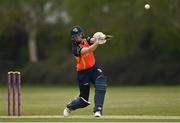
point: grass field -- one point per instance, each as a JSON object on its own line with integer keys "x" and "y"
{"x": 149, "y": 103}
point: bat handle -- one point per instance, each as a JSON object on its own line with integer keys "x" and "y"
{"x": 109, "y": 36}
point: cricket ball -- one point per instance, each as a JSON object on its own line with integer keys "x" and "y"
{"x": 147, "y": 6}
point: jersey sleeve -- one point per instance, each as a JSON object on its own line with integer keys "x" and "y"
{"x": 76, "y": 50}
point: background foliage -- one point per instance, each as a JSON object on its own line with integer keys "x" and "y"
{"x": 145, "y": 48}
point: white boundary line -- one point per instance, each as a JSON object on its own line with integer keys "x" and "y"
{"x": 90, "y": 117}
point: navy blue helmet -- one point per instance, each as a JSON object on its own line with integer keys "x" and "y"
{"x": 77, "y": 31}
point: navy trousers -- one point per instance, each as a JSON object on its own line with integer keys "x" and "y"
{"x": 96, "y": 76}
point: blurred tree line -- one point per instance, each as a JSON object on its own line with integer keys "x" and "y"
{"x": 34, "y": 39}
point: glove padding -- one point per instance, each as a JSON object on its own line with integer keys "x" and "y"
{"x": 100, "y": 37}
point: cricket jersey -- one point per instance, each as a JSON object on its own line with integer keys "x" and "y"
{"x": 83, "y": 61}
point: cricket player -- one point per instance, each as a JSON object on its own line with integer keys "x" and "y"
{"x": 87, "y": 71}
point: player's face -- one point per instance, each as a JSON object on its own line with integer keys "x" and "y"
{"x": 78, "y": 38}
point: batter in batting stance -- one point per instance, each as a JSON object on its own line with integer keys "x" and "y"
{"x": 87, "y": 71}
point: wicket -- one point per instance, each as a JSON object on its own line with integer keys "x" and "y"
{"x": 14, "y": 77}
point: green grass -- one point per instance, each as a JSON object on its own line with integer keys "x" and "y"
{"x": 149, "y": 103}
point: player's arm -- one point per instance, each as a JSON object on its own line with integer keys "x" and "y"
{"x": 90, "y": 48}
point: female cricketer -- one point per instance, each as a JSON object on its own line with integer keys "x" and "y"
{"x": 87, "y": 71}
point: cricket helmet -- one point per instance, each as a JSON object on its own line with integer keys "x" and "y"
{"x": 77, "y": 31}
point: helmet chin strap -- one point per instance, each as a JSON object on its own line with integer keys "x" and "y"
{"x": 82, "y": 41}
{"x": 79, "y": 42}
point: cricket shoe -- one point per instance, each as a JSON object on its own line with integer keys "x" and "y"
{"x": 97, "y": 114}
{"x": 66, "y": 112}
